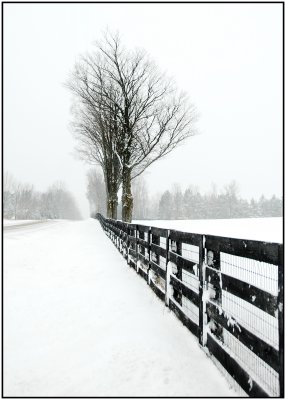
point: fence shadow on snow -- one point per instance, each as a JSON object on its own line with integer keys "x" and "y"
{"x": 227, "y": 292}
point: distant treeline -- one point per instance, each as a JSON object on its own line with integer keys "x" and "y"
{"x": 21, "y": 201}
{"x": 189, "y": 204}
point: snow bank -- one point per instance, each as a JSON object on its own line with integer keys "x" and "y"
{"x": 79, "y": 322}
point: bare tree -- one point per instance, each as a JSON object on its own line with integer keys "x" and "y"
{"x": 21, "y": 201}
{"x": 59, "y": 203}
{"x": 9, "y": 194}
{"x": 26, "y": 202}
{"x": 96, "y": 128}
{"x": 141, "y": 198}
{"x": 96, "y": 193}
{"x": 145, "y": 112}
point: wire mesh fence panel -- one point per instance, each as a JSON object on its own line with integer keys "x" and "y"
{"x": 142, "y": 249}
{"x": 263, "y": 325}
{"x": 158, "y": 261}
{"x": 190, "y": 252}
{"x": 190, "y": 310}
{"x": 258, "y": 369}
{"x": 191, "y": 280}
{"x": 245, "y": 292}
{"x": 132, "y": 245}
{"x": 185, "y": 253}
{"x": 257, "y": 273}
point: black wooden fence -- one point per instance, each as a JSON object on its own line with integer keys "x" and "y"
{"x": 227, "y": 292}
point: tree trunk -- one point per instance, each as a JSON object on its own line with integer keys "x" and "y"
{"x": 111, "y": 205}
{"x": 111, "y": 185}
{"x": 108, "y": 207}
{"x": 127, "y": 198}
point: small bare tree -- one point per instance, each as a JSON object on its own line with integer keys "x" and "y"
{"x": 96, "y": 193}
{"x": 9, "y": 195}
{"x": 59, "y": 203}
{"x": 141, "y": 198}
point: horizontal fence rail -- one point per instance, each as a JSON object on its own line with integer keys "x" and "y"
{"x": 228, "y": 292}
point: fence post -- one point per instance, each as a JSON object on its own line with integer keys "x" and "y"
{"x": 112, "y": 231}
{"x": 136, "y": 247}
{"x": 280, "y": 300}
{"x": 202, "y": 307}
{"x": 125, "y": 240}
{"x": 178, "y": 296}
{"x": 128, "y": 245}
{"x": 213, "y": 277}
{"x": 121, "y": 238}
{"x": 167, "y": 282}
{"x": 149, "y": 255}
{"x": 139, "y": 235}
{"x": 156, "y": 240}
{"x": 128, "y": 242}
{"x": 117, "y": 235}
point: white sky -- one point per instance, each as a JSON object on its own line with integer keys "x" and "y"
{"x": 227, "y": 57}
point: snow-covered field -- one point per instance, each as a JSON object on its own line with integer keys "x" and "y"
{"x": 79, "y": 322}
{"x": 264, "y": 229}
{"x": 11, "y": 222}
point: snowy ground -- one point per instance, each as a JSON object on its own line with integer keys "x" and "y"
{"x": 15, "y": 222}
{"x": 9, "y": 222}
{"x": 265, "y": 229}
{"x": 79, "y": 322}
{"x": 28, "y": 225}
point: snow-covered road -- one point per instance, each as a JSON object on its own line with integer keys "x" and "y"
{"x": 79, "y": 322}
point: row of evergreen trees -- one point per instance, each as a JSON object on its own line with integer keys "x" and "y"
{"x": 191, "y": 204}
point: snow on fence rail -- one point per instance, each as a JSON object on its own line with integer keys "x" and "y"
{"x": 227, "y": 292}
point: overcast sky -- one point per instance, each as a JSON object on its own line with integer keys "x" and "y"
{"x": 227, "y": 57}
